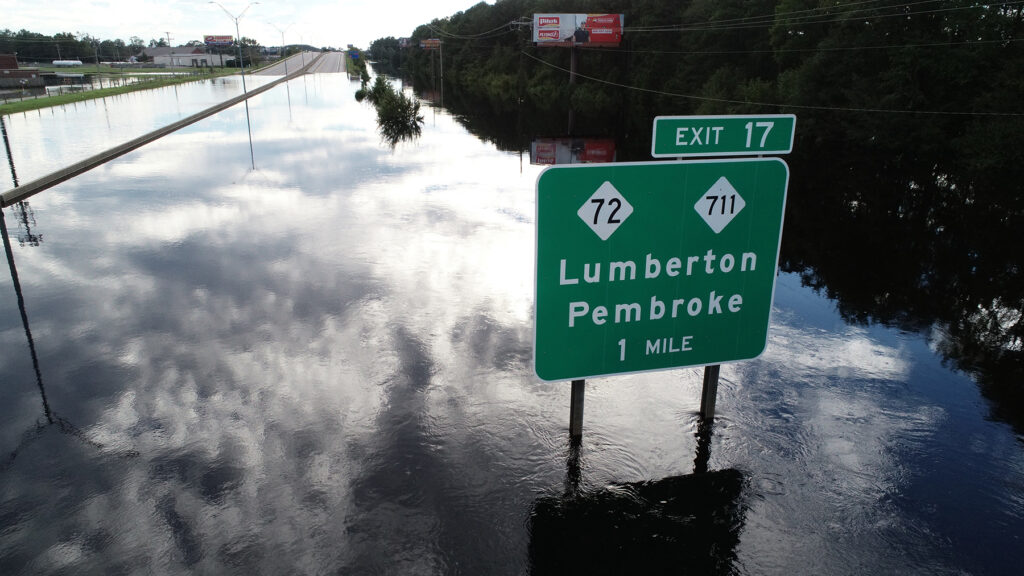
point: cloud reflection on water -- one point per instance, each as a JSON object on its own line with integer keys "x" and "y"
{"x": 294, "y": 333}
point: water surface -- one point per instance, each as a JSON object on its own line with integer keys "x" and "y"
{"x": 323, "y": 365}
{"x": 49, "y": 139}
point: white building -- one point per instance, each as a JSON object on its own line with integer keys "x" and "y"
{"x": 185, "y": 57}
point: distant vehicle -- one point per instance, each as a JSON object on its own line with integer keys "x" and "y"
{"x": 67, "y": 63}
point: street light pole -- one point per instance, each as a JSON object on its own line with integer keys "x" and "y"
{"x": 238, "y": 35}
{"x": 283, "y": 55}
{"x": 241, "y": 58}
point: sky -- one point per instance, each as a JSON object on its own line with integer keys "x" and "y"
{"x": 315, "y": 22}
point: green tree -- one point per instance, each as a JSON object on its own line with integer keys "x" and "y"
{"x": 135, "y": 46}
{"x": 251, "y": 51}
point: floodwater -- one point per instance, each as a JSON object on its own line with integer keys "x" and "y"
{"x": 323, "y": 365}
{"x": 45, "y": 140}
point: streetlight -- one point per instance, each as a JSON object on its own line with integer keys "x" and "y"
{"x": 283, "y": 55}
{"x": 237, "y": 35}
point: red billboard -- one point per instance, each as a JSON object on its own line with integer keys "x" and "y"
{"x": 212, "y": 40}
{"x": 577, "y": 29}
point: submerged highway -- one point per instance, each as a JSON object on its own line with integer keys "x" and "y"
{"x": 302, "y": 63}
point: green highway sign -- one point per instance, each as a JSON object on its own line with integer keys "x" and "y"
{"x": 655, "y": 265}
{"x": 695, "y": 136}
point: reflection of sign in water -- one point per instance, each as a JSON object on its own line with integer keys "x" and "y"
{"x": 655, "y": 265}
{"x": 577, "y": 29}
{"x": 546, "y": 151}
{"x": 211, "y": 40}
{"x": 691, "y": 523}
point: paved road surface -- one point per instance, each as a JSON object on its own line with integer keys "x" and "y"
{"x": 331, "y": 62}
{"x": 294, "y": 63}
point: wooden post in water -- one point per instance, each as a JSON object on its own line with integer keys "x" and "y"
{"x": 576, "y": 410}
{"x": 709, "y": 392}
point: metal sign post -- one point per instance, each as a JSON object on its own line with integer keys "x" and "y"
{"x": 576, "y": 409}
{"x": 709, "y": 392}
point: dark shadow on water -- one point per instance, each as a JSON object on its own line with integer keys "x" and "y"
{"x": 687, "y": 524}
{"x": 678, "y": 525}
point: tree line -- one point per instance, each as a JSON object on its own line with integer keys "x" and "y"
{"x": 36, "y": 47}
{"x": 738, "y": 56}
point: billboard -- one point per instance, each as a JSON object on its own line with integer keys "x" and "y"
{"x": 211, "y": 40}
{"x": 572, "y": 150}
{"x": 430, "y": 43}
{"x": 577, "y": 29}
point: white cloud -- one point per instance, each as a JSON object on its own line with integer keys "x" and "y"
{"x": 317, "y": 22}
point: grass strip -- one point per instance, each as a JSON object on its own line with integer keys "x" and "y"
{"x": 61, "y": 99}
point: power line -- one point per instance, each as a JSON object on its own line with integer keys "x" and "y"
{"x": 479, "y": 36}
{"x": 772, "y": 104}
{"x": 828, "y": 18}
{"x": 817, "y": 49}
{"x": 774, "y": 16}
{"x": 817, "y": 13}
